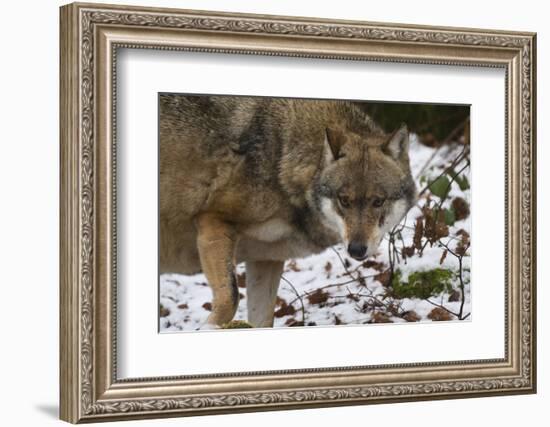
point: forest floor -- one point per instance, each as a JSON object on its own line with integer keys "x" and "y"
{"x": 429, "y": 279}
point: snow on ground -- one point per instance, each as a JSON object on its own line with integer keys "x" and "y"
{"x": 331, "y": 288}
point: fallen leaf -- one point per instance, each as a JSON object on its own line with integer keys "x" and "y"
{"x": 407, "y": 251}
{"x": 439, "y": 314}
{"x": 461, "y": 208}
{"x": 284, "y": 310}
{"x": 384, "y": 277}
{"x": 411, "y": 316}
{"x": 164, "y": 312}
{"x": 379, "y": 317}
{"x": 280, "y": 301}
{"x": 373, "y": 264}
{"x": 318, "y": 297}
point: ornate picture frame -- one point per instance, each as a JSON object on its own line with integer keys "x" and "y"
{"x": 90, "y": 37}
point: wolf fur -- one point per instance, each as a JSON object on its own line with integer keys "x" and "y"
{"x": 262, "y": 180}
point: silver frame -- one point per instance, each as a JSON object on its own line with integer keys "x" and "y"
{"x": 90, "y": 37}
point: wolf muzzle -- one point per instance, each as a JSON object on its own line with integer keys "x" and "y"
{"x": 357, "y": 250}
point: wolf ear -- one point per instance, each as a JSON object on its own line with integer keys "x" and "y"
{"x": 397, "y": 145}
{"x": 334, "y": 140}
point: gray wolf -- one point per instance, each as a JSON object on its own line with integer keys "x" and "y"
{"x": 262, "y": 180}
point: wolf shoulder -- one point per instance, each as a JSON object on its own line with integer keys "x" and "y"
{"x": 206, "y": 123}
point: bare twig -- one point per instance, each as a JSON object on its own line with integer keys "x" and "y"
{"x": 460, "y": 277}
{"x": 465, "y": 151}
{"x": 299, "y": 297}
{"x": 448, "y": 139}
{"x": 342, "y": 261}
{"x": 453, "y": 179}
{"x": 332, "y": 285}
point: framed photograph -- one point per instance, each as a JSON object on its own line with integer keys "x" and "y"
{"x": 266, "y": 212}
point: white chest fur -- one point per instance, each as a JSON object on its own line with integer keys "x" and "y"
{"x": 274, "y": 239}
{"x": 269, "y": 231}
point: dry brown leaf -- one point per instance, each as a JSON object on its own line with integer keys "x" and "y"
{"x": 439, "y": 314}
{"x": 411, "y": 316}
{"x": 443, "y": 256}
{"x": 284, "y": 310}
{"x": 461, "y": 208}
{"x": 384, "y": 277}
{"x": 373, "y": 264}
{"x": 379, "y": 317}
{"x": 164, "y": 312}
{"x": 318, "y": 297}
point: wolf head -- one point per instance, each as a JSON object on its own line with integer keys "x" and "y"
{"x": 366, "y": 186}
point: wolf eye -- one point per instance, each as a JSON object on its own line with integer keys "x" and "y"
{"x": 378, "y": 203}
{"x": 344, "y": 201}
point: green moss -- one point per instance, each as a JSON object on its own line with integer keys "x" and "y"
{"x": 237, "y": 324}
{"x": 422, "y": 284}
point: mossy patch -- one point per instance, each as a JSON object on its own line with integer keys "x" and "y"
{"x": 237, "y": 324}
{"x": 422, "y": 284}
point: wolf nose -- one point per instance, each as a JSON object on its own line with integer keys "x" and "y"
{"x": 357, "y": 250}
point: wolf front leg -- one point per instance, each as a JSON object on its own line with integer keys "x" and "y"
{"x": 216, "y": 244}
{"x": 262, "y": 282}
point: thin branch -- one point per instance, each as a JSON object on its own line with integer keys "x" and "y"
{"x": 465, "y": 151}
{"x": 299, "y": 297}
{"x": 453, "y": 179}
{"x": 342, "y": 261}
{"x": 460, "y": 277}
{"x": 332, "y": 285}
{"x": 443, "y": 144}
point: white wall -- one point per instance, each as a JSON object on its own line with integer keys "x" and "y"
{"x": 29, "y": 170}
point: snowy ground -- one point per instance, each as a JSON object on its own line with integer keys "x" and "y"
{"x": 331, "y": 288}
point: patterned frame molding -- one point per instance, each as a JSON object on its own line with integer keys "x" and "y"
{"x": 90, "y": 36}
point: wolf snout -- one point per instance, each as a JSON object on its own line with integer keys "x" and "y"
{"x": 357, "y": 250}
